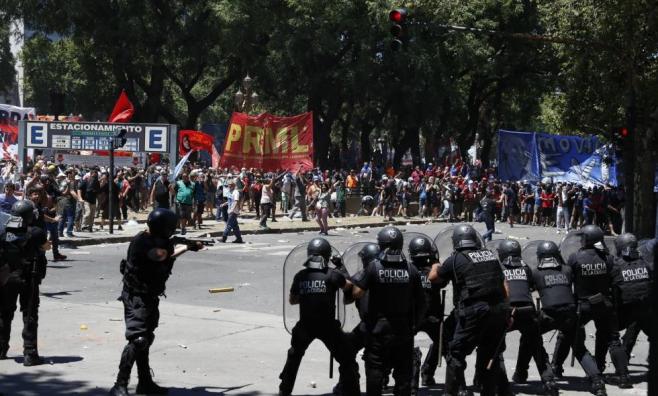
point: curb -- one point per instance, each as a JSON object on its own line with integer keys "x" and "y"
{"x": 214, "y": 234}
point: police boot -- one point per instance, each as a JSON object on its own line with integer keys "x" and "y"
{"x": 427, "y": 380}
{"x": 624, "y": 382}
{"x": 557, "y": 370}
{"x": 119, "y": 390}
{"x": 146, "y": 385}
{"x": 598, "y": 387}
{"x": 31, "y": 358}
{"x": 520, "y": 376}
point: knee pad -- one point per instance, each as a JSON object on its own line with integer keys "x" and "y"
{"x": 141, "y": 343}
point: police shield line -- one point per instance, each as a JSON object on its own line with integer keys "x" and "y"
{"x": 396, "y": 286}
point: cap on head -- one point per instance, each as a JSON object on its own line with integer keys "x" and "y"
{"x": 464, "y": 236}
{"x": 162, "y": 222}
{"x": 390, "y": 237}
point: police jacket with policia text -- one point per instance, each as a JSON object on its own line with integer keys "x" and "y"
{"x": 396, "y": 302}
{"x": 519, "y": 278}
{"x": 141, "y": 275}
{"x": 554, "y": 285}
{"x": 432, "y": 292}
{"x": 591, "y": 273}
{"x": 477, "y": 276}
{"x": 631, "y": 279}
{"x": 21, "y": 253}
{"x": 316, "y": 290}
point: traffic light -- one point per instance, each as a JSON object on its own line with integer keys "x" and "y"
{"x": 398, "y": 30}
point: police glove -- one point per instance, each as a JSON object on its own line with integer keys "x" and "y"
{"x": 337, "y": 261}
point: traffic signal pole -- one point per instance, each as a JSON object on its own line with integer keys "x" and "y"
{"x": 110, "y": 197}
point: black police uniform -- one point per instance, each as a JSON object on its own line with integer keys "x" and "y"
{"x": 519, "y": 279}
{"x": 143, "y": 282}
{"x": 395, "y": 305}
{"x": 488, "y": 207}
{"x": 592, "y": 285}
{"x": 631, "y": 280}
{"x": 431, "y": 322}
{"x": 481, "y": 316}
{"x": 316, "y": 290}
{"x": 20, "y": 250}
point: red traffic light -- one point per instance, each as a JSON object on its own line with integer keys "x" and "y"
{"x": 623, "y": 132}
{"x": 398, "y": 15}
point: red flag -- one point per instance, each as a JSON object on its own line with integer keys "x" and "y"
{"x": 123, "y": 109}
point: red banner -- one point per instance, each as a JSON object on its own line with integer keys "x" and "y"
{"x": 194, "y": 140}
{"x": 269, "y": 142}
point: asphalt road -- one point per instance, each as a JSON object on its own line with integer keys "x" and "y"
{"x": 90, "y": 278}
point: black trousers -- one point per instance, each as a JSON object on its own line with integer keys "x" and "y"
{"x": 333, "y": 338}
{"x": 141, "y": 314}
{"x": 607, "y": 336}
{"x": 634, "y": 318}
{"x": 482, "y": 325}
{"x": 531, "y": 344}
{"x": 28, "y": 296}
{"x": 387, "y": 350}
{"x": 432, "y": 329}
{"x": 565, "y": 320}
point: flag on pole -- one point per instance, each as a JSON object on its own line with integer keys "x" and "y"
{"x": 123, "y": 109}
{"x": 179, "y": 166}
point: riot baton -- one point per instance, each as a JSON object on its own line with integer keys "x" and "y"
{"x": 33, "y": 288}
{"x": 500, "y": 343}
{"x": 575, "y": 337}
{"x": 541, "y": 337}
{"x": 443, "y": 310}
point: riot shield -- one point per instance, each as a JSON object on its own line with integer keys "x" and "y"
{"x": 493, "y": 245}
{"x": 443, "y": 241}
{"x": 293, "y": 264}
{"x": 348, "y": 312}
{"x": 570, "y": 244}
{"x": 529, "y": 254}
{"x": 408, "y": 236}
{"x": 646, "y": 248}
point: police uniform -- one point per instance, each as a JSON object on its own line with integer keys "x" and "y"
{"x": 554, "y": 280}
{"x": 20, "y": 251}
{"x": 396, "y": 303}
{"x": 631, "y": 280}
{"x": 481, "y": 311}
{"x": 144, "y": 281}
{"x": 316, "y": 288}
{"x": 592, "y": 285}
{"x": 520, "y": 283}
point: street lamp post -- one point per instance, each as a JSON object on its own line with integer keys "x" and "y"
{"x": 244, "y": 101}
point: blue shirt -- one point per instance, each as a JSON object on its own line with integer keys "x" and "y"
{"x": 7, "y": 202}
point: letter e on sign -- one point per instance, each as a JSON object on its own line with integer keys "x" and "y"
{"x": 155, "y": 138}
{"x": 37, "y": 134}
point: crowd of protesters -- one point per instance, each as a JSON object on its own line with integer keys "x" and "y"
{"x": 73, "y": 197}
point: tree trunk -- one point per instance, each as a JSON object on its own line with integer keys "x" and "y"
{"x": 644, "y": 204}
{"x": 366, "y": 150}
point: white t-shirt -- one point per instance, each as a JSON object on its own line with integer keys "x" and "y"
{"x": 266, "y": 195}
{"x": 233, "y": 200}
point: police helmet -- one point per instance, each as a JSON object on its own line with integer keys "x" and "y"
{"x": 464, "y": 237}
{"x": 390, "y": 237}
{"x": 626, "y": 246}
{"x": 37, "y": 237}
{"x": 548, "y": 255}
{"x": 162, "y": 222}
{"x": 368, "y": 253}
{"x": 592, "y": 235}
{"x": 319, "y": 253}
{"x": 25, "y": 210}
{"x": 420, "y": 247}
{"x": 509, "y": 248}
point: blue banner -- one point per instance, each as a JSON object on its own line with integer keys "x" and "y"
{"x": 536, "y": 156}
{"x": 517, "y": 156}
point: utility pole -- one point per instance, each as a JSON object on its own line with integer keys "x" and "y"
{"x": 117, "y": 142}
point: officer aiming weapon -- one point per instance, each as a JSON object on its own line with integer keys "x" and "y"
{"x": 192, "y": 243}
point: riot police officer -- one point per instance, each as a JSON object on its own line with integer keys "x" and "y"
{"x": 481, "y": 312}
{"x": 149, "y": 262}
{"x": 592, "y": 267}
{"x": 314, "y": 289}
{"x": 396, "y": 304}
{"x": 554, "y": 282}
{"x": 23, "y": 248}
{"x": 631, "y": 280}
{"x": 519, "y": 278}
{"x": 423, "y": 255}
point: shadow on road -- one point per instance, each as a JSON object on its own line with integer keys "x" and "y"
{"x": 45, "y": 383}
{"x": 53, "y": 359}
